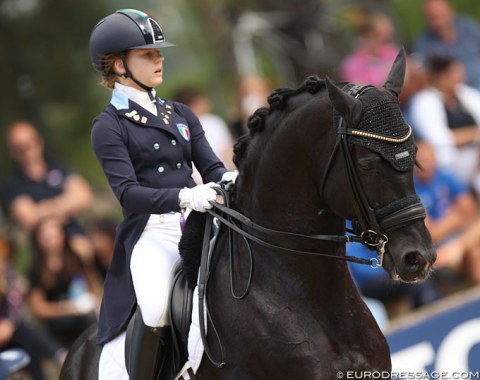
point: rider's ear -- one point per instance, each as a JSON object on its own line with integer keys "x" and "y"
{"x": 396, "y": 76}
{"x": 119, "y": 67}
{"x": 342, "y": 102}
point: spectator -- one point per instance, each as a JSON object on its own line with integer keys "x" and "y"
{"x": 415, "y": 81}
{"x": 216, "y": 130}
{"x": 447, "y": 115}
{"x": 451, "y": 210}
{"x": 102, "y": 235}
{"x": 40, "y": 188}
{"x": 64, "y": 293}
{"x": 452, "y": 35}
{"x": 253, "y": 93}
{"x": 463, "y": 253}
{"x": 371, "y": 60}
{"x": 15, "y": 332}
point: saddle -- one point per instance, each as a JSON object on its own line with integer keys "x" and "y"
{"x": 181, "y": 303}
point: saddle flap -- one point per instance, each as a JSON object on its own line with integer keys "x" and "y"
{"x": 181, "y": 303}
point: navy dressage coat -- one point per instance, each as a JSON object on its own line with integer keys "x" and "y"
{"x": 147, "y": 160}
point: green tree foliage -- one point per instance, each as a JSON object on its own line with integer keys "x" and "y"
{"x": 46, "y": 72}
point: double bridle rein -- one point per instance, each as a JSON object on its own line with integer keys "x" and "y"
{"x": 370, "y": 227}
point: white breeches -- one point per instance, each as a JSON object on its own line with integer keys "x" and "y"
{"x": 152, "y": 264}
{"x": 153, "y": 261}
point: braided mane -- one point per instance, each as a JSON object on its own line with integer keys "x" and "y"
{"x": 191, "y": 243}
{"x": 277, "y": 100}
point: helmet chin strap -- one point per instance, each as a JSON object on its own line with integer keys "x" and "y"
{"x": 128, "y": 74}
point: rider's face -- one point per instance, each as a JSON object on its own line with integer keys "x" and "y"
{"x": 146, "y": 66}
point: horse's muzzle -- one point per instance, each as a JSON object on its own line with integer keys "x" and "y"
{"x": 410, "y": 254}
{"x": 415, "y": 267}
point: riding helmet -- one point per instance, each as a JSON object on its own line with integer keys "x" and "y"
{"x": 123, "y": 30}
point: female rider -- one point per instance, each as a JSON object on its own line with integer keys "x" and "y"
{"x": 146, "y": 146}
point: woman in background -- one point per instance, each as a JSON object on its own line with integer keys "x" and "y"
{"x": 64, "y": 293}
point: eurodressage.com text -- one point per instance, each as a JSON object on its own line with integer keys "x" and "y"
{"x": 408, "y": 375}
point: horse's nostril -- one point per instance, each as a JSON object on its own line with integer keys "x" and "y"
{"x": 414, "y": 259}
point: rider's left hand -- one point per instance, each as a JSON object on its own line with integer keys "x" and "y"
{"x": 230, "y": 176}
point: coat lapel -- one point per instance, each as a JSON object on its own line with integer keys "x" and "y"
{"x": 140, "y": 116}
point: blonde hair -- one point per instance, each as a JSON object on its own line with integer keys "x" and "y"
{"x": 109, "y": 76}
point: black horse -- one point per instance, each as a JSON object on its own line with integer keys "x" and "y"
{"x": 317, "y": 156}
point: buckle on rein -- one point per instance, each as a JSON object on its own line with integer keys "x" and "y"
{"x": 374, "y": 240}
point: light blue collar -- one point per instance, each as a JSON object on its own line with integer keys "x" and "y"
{"x": 119, "y": 100}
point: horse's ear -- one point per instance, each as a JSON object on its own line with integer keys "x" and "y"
{"x": 396, "y": 76}
{"x": 342, "y": 102}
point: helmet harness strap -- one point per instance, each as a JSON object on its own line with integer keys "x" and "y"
{"x": 128, "y": 74}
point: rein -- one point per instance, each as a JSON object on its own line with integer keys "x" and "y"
{"x": 228, "y": 217}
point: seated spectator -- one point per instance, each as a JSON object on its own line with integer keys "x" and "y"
{"x": 102, "y": 235}
{"x": 463, "y": 253}
{"x": 15, "y": 331}
{"x": 451, "y": 35}
{"x": 451, "y": 210}
{"x": 64, "y": 292}
{"x": 371, "y": 60}
{"x": 40, "y": 188}
{"x": 447, "y": 116}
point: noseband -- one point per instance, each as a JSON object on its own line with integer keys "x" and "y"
{"x": 372, "y": 225}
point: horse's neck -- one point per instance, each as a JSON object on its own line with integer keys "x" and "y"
{"x": 305, "y": 217}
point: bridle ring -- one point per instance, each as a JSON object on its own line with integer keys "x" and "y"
{"x": 372, "y": 238}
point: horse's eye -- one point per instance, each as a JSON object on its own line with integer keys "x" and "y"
{"x": 368, "y": 163}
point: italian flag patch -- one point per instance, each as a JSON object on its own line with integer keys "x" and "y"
{"x": 184, "y": 131}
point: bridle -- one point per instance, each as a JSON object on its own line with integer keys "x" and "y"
{"x": 370, "y": 227}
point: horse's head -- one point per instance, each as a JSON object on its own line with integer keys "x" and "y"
{"x": 378, "y": 155}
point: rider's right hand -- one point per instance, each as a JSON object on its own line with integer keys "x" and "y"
{"x": 198, "y": 198}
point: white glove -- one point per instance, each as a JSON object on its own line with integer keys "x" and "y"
{"x": 197, "y": 198}
{"x": 230, "y": 176}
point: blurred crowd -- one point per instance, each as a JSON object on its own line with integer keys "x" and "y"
{"x": 47, "y": 304}
{"x": 441, "y": 101}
